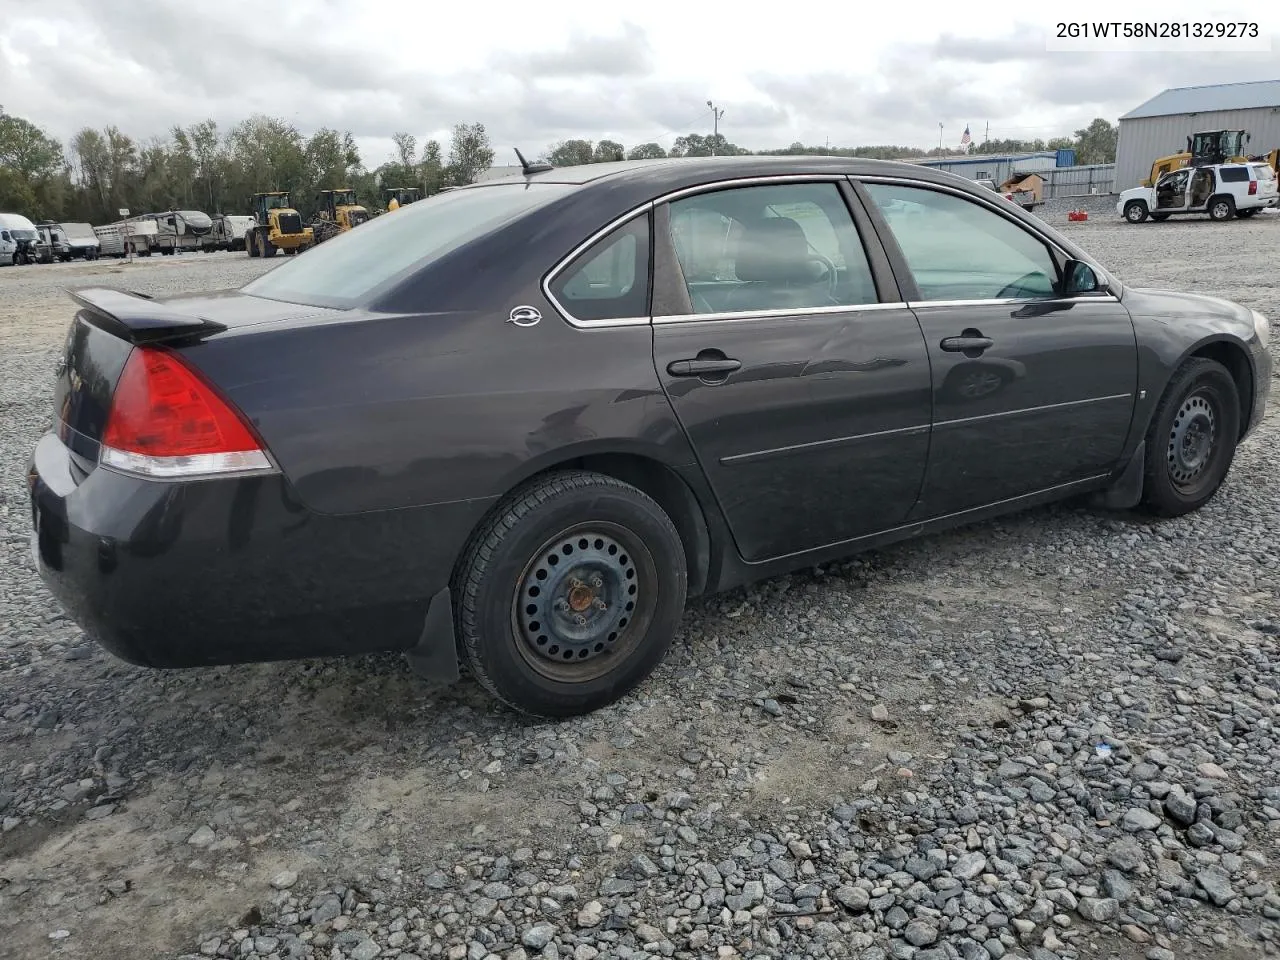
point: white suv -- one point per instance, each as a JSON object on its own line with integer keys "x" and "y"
{"x": 1222, "y": 191}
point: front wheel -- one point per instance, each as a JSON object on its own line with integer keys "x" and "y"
{"x": 1191, "y": 441}
{"x": 1135, "y": 211}
{"x": 569, "y": 595}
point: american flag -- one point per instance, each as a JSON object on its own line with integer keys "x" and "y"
{"x": 965, "y": 139}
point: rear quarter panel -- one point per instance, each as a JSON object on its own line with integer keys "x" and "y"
{"x": 390, "y": 411}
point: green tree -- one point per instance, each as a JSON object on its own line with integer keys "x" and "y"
{"x": 27, "y": 150}
{"x": 406, "y": 149}
{"x": 1096, "y": 143}
{"x": 698, "y": 145}
{"x": 608, "y": 150}
{"x": 431, "y": 170}
{"x": 32, "y": 168}
{"x": 470, "y": 153}
{"x": 571, "y": 153}
{"x": 646, "y": 151}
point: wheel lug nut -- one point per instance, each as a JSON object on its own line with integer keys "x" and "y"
{"x": 596, "y": 582}
{"x": 580, "y": 620}
{"x": 599, "y": 604}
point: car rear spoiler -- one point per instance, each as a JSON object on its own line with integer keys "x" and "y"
{"x": 138, "y": 319}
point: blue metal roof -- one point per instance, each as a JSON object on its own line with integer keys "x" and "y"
{"x": 988, "y": 158}
{"x": 1208, "y": 99}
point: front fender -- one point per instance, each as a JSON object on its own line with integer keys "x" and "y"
{"x": 1170, "y": 328}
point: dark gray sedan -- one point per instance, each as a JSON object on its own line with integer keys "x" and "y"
{"x": 515, "y": 425}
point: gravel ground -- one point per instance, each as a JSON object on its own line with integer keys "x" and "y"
{"x": 1051, "y": 736}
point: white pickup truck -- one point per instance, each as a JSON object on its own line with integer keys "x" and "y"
{"x": 1222, "y": 191}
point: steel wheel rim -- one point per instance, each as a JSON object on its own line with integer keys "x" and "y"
{"x": 1220, "y": 210}
{"x": 584, "y": 601}
{"x": 1192, "y": 440}
{"x": 1134, "y": 213}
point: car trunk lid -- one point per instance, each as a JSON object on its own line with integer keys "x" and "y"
{"x": 110, "y": 324}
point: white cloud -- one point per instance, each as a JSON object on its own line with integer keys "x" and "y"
{"x": 535, "y": 74}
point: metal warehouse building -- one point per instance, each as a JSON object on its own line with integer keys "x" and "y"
{"x": 1001, "y": 167}
{"x": 1161, "y": 125}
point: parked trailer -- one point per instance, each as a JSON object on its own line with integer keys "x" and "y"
{"x": 116, "y": 238}
{"x": 178, "y": 229}
{"x": 227, "y": 233}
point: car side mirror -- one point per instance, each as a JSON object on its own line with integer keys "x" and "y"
{"x": 1080, "y": 278}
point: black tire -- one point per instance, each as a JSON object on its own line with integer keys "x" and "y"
{"x": 268, "y": 248}
{"x": 1222, "y": 208}
{"x": 1135, "y": 211}
{"x": 628, "y": 576}
{"x": 251, "y": 243}
{"x": 1160, "y": 217}
{"x": 1191, "y": 441}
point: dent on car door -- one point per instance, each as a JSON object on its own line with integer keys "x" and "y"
{"x": 1033, "y": 381}
{"x": 800, "y": 378}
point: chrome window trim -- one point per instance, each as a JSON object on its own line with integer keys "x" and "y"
{"x": 578, "y": 251}
{"x": 918, "y": 304}
{"x": 736, "y": 316}
{"x": 649, "y": 205}
{"x": 764, "y": 180}
{"x": 991, "y": 205}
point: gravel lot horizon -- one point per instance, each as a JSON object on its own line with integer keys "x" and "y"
{"x": 1051, "y": 736}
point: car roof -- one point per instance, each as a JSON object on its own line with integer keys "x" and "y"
{"x": 677, "y": 172}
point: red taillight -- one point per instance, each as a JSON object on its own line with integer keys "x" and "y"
{"x": 166, "y": 421}
{"x": 1253, "y": 187}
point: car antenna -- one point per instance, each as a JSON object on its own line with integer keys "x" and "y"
{"x": 528, "y": 168}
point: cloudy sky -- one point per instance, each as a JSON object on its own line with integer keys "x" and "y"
{"x": 538, "y": 73}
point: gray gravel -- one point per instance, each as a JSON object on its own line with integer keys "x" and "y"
{"x": 1050, "y": 736}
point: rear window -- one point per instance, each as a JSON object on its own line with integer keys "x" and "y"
{"x": 345, "y": 271}
{"x": 1263, "y": 172}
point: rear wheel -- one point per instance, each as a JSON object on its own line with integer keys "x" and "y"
{"x": 1191, "y": 441}
{"x": 1222, "y": 208}
{"x": 1135, "y": 211}
{"x": 251, "y": 243}
{"x": 569, "y": 595}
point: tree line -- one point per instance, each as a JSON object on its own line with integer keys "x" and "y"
{"x": 101, "y": 171}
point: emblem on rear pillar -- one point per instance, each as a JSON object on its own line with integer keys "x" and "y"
{"x": 524, "y": 316}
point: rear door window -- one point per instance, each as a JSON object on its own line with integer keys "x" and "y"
{"x": 777, "y": 247}
{"x": 1234, "y": 174}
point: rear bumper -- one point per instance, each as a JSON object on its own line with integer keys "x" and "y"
{"x": 181, "y": 574}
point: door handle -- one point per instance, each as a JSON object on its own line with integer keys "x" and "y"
{"x": 702, "y": 368}
{"x": 971, "y": 342}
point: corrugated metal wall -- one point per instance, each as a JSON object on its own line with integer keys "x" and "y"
{"x": 1145, "y": 140}
{"x": 1079, "y": 181}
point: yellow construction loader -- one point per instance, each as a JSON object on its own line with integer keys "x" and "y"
{"x": 397, "y": 197}
{"x": 336, "y": 212}
{"x": 276, "y": 226}
{"x": 1203, "y": 149}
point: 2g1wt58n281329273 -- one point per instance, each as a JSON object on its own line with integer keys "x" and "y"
{"x": 1124, "y": 36}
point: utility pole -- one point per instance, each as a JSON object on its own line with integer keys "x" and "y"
{"x": 715, "y": 134}
{"x": 987, "y": 136}
{"x": 939, "y": 139}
